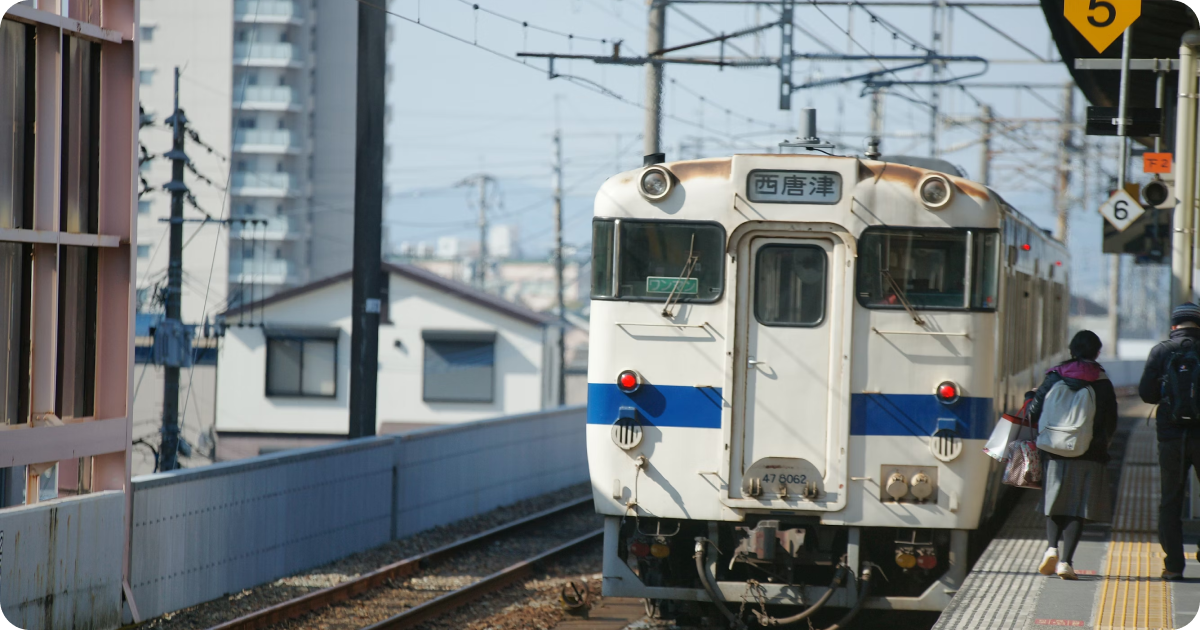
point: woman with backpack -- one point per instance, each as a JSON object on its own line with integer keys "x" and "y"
{"x": 1074, "y": 449}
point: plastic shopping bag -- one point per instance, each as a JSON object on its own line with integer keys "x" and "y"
{"x": 1004, "y": 433}
{"x": 1024, "y": 467}
{"x": 1007, "y": 429}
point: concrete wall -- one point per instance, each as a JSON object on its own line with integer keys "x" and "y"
{"x": 200, "y": 534}
{"x": 242, "y": 404}
{"x": 61, "y": 563}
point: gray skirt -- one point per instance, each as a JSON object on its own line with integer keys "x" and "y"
{"x": 1077, "y": 488}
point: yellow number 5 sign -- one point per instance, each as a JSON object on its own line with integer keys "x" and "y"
{"x": 1101, "y": 22}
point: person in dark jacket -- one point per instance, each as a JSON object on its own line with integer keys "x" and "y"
{"x": 1076, "y": 489}
{"x": 1178, "y": 445}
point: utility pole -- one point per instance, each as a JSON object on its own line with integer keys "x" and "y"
{"x": 558, "y": 270}
{"x": 1066, "y": 146}
{"x": 935, "y": 93}
{"x": 481, "y": 268}
{"x": 169, "y": 447}
{"x": 1184, "y": 220}
{"x": 368, "y": 220}
{"x": 655, "y": 41}
{"x": 876, "y": 125}
{"x": 1114, "y": 270}
{"x": 985, "y": 146}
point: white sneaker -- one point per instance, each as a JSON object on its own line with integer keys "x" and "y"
{"x": 1066, "y": 571}
{"x": 1049, "y": 561}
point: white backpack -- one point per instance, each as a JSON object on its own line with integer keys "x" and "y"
{"x": 1068, "y": 416}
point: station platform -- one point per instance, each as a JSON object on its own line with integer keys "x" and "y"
{"x": 1119, "y": 564}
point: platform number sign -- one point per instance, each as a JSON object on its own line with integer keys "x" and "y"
{"x": 1121, "y": 210}
{"x": 1101, "y": 22}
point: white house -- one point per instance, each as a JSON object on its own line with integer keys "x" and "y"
{"x": 447, "y": 353}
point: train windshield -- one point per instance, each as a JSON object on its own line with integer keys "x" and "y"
{"x": 654, "y": 260}
{"x": 934, "y": 269}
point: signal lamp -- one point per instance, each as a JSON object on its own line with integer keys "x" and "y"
{"x": 655, "y": 183}
{"x": 927, "y": 561}
{"x": 935, "y": 191}
{"x": 659, "y": 550}
{"x": 629, "y": 381}
{"x": 947, "y": 392}
{"x": 1026, "y": 247}
{"x": 905, "y": 560}
{"x": 639, "y": 549}
{"x": 1058, "y": 263}
{"x": 1156, "y": 193}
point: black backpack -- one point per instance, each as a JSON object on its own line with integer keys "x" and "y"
{"x": 1181, "y": 384}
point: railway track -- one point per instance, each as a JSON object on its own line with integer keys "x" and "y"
{"x": 432, "y": 608}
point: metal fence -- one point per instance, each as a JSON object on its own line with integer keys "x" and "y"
{"x": 60, "y": 565}
{"x": 203, "y": 533}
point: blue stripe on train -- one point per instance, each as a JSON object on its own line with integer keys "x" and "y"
{"x": 870, "y": 414}
{"x": 658, "y": 405}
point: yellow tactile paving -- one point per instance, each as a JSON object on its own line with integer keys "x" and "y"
{"x": 1132, "y": 595}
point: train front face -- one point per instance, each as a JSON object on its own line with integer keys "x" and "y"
{"x": 792, "y": 359}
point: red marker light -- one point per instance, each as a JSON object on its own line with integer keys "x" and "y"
{"x": 629, "y": 381}
{"x": 927, "y": 562}
{"x": 1026, "y": 247}
{"x": 1058, "y": 263}
{"x": 639, "y": 549}
{"x": 947, "y": 392}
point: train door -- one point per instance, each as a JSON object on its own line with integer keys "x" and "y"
{"x": 790, "y": 309}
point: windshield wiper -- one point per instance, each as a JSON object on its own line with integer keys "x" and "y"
{"x": 903, "y": 297}
{"x": 684, "y": 276}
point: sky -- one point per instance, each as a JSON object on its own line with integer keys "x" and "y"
{"x": 462, "y": 103}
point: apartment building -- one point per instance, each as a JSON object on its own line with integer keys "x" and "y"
{"x": 269, "y": 86}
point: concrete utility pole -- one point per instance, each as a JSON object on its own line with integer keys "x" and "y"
{"x": 1183, "y": 223}
{"x": 169, "y": 447}
{"x": 937, "y": 28}
{"x": 1114, "y": 271}
{"x": 655, "y": 41}
{"x": 481, "y": 268}
{"x": 368, "y": 221}
{"x": 558, "y": 270}
{"x": 877, "y": 115}
{"x": 985, "y": 146}
{"x": 1062, "y": 201}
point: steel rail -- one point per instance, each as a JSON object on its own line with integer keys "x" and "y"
{"x": 437, "y": 607}
{"x": 349, "y": 589}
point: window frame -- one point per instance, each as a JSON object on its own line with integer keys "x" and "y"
{"x": 967, "y": 286}
{"x": 302, "y": 336}
{"x": 615, "y": 257}
{"x": 824, "y": 288}
{"x": 482, "y": 337}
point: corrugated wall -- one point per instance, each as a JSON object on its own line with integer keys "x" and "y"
{"x": 201, "y": 534}
{"x": 450, "y": 473}
{"x": 61, "y": 564}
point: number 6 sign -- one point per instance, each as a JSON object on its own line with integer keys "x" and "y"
{"x": 1121, "y": 210}
{"x": 1101, "y": 22}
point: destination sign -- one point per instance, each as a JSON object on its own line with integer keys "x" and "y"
{"x": 812, "y": 187}
{"x": 679, "y": 286}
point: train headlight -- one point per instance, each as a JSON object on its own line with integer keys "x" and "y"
{"x": 935, "y": 191}
{"x": 629, "y": 381}
{"x": 655, "y": 183}
{"x": 947, "y": 392}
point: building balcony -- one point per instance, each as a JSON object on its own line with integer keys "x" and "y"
{"x": 279, "y": 228}
{"x": 267, "y": 11}
{"x": 266, "y": 98}
{"x": 265, "y": 141}
{"x": 271, "y": 55}
{"x": 254, "y": 184}
{"x": 261, "y": 271}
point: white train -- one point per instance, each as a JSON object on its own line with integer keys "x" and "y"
{"x": 795, "y": 362}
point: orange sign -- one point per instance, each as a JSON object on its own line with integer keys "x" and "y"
{"x": 1156, "y": 162}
